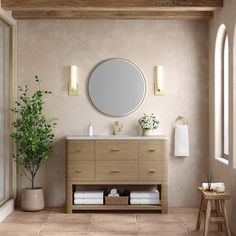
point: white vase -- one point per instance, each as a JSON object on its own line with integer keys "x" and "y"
{"x": 149, "y": 132}
{"x": 32, "y": 199}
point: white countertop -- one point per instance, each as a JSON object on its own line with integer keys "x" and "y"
{"x": 111, "y": 137}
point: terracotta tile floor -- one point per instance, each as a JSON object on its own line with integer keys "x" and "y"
{"x": 54, "y": 222}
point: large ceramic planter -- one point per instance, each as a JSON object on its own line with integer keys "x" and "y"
{"x": 32, "y": 199}
{"x": 149, "y": 132}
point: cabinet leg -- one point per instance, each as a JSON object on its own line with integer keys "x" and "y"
{"x": 164, "y": 210}
{"x": 69, "y": 197}
{"x": 164, "y": 198}
{"x": 69, "y": 210}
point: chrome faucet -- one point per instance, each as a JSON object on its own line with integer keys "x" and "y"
{"x": 117, "y": 128}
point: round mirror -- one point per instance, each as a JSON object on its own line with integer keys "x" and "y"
{"x": 116, "y": 87}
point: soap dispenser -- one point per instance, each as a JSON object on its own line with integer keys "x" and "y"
{"x": 90, "y": 130}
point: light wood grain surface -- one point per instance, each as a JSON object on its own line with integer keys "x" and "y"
{"x": 117, "y": 150}
{"x": 117, "y": 162}
{"x": 80, "y": 150}
{"x": 112, "y": 9}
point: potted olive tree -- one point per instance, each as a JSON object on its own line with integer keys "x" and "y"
{"x": 34, "y": 136}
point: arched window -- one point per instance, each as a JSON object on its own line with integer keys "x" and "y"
{"x": 222, "y": 93}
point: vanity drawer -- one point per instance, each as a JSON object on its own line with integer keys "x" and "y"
{"x": 116, "y": 170}
{"x": 118, "y": 150}
{"x": 152, "y": 170}
{"x": 78, "y": 150}
{"x": 80, "y": 170}
{"x": 152, "y": 150}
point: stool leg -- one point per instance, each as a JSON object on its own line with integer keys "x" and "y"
{"x": 208, "y": 214}
{"x": 225, "y": 217}
{"x": 218, "y": 214}
{"x": 200, "y": 212}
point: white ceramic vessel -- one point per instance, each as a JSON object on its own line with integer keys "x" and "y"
{"x": 149, "y": 132}
{"x": 32, "y": 199}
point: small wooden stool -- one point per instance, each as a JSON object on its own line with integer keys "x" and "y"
{"x": 206, "y": 210}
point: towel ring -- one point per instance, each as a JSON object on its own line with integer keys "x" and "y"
{"x": 182, "y": 119}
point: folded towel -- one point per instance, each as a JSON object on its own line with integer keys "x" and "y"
{"x": 88, "y": 194}
{"x": 136, "y": 201}
{"x": 181, "y": 140}
{"x": 88, "y": 201}
{"x": 145, "y": 194}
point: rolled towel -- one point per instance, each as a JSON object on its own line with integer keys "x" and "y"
{"x": 145, "y": 194}
{"x": 181, "y": 140}
{"x": 88, "y": 194}
{"x": 113, "y": 191}
{"x": 88, "y": 201}
{"x": 147, "y": 201}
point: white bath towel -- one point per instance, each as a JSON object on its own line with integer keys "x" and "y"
{"x": 181, "y": 140}
{"x": 88, "y": 201}
{"x": 88, "y": 194}
{"x": 147, "y": 201}
{"x": 145, "y": 194}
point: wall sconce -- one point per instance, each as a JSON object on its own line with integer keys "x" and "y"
{"x": 73, "y": 83}
{"x": 158, "y": 81}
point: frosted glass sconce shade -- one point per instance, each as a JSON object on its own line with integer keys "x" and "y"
{"x": 159, "y": 81}
{"x": 73, "y": 82}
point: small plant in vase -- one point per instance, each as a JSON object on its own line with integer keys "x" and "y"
{"x": 149, "y": 124}
{"x": 33, "y": 136}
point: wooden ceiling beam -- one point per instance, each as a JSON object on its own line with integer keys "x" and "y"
{"x": 150, "y": 15}
{"x": 112, "y": 5}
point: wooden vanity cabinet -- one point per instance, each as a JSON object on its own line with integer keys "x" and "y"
{"x": 95, "y": 162}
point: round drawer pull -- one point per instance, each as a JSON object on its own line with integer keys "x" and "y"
{"x": 115, "y": 171}
{"x": 152, "y": 171}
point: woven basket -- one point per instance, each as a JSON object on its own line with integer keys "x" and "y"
{"x": 117, "y": 200}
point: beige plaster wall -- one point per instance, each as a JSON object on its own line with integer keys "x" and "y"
{"x": 224, "y": 172}
{"x": 47, "y": 47}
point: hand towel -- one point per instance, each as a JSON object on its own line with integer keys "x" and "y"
{"x": 88, "y": 194}
{"x": 147, "y": 201}
{"x": 88, "y": 201}
{"x": 181, "y": 140}
{"x": 145, "y": 194}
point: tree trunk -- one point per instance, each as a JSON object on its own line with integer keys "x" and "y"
{"x": 32, "y": 182}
